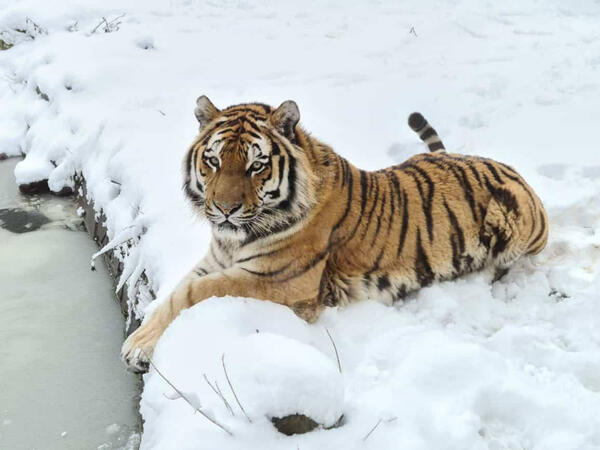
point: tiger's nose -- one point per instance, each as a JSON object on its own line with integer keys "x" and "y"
{"x": 227, "y": 208}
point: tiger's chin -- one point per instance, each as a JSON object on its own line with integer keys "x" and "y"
{"x": 228, "y": 230}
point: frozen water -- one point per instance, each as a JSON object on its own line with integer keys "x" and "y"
{"x": 63, "y": 385}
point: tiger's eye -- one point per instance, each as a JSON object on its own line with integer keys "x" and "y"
{"x": 256, "y": 165}
{"x": 214, "y": 161}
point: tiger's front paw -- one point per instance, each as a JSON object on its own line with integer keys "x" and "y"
{"x": 138, "y": 349}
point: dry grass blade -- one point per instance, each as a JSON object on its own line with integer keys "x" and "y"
{"x": 217, "y": 391}
{"x": 371, "y": 431}
{"x": 233, "y": 390}
{"x": 337, "y": 356}
{"x": 182, "y": 395}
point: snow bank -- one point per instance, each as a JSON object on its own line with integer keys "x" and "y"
{"x": 271, "y": 363}
{"x": 464, "y": 364}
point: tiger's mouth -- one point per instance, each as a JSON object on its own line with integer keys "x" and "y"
{"x": 226, "y": 225}
{"x": 232, "y": 223}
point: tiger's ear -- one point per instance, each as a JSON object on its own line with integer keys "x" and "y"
{"x": 205, "y": 111}
{"x": 285, "y": 118}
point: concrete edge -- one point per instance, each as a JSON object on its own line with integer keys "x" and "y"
{"x": 94, "y": 221}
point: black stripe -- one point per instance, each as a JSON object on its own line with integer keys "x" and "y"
{"x": 188, "y": 161}
{"x": 492, "y": 169}
{"x": 252, "y": 235}
{"x": 316, "y": 260}
{"x": 275, "y": 148}
{"x": 507, "y": 199}
{"x": 224, "y": 130}
{"x": 422, "y": 267}
{"x": 383, "y": 282}
{"x": 457, "y": 239}
{"x": 200, "y": 271}
{"x": 291, "y": 177}
{"x": 337, "y": 169}
{"x": 370, "y": 215}
{"x": 454, "y": 222}
{"x": 364, "y": 187}
{"x": 391, "y": 215}
{"x": 404, "y": 224}
{"x": 518, "y": 180}
{"x": 435, "y": 146}
{"x": 400, "y": 293}
{"x": 501, "y": 242}
{"x": 507, "y": 167}
{"x": 377, "y": 262}
{"x": 348, "y": 200}
{"x": 253, "y": 134}
{"x": 542, "y": 229}
{"x": 437, "y": 161}
{"x": 482, "y": 212}
{"x": 345, "y": 172}
{"x": 455, "y": 254}
{"x": 280, "y": 169}
{"x": 252, "y": 125}
{"x": 258, "y": 255}
{"x": 426, "y": 201}
{"x": 429, "y": 132}
{"x": 271, "y": 273}
{"x": 469, "y": 164}
{"x": 396, "y": 186}
{"x": 219, "y": 263}
{"x": 488, "y": 185}
{"x": 376, "y": 233}
{"x": 463, "y": 180}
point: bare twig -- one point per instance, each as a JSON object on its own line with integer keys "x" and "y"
{"x": 372, "y": 429}
{"x": 233, "y": 390}
{"x": 412, "y": 31}
{"x": 182, "y": 395}
{"x": 337, "y": 356}
{"x": 217, "y": 391}
{"x": 376, "y": 425}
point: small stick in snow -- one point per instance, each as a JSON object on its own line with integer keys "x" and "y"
{"x": 182, "y": 395}
{"x": 376, "y": 425}
{"x": 337, "y": 356}
{"x": 372, "y": 429}
{"x": 217, "y": 391}
{"x": 233, "y": 390}
{"x": 412, "y": 31}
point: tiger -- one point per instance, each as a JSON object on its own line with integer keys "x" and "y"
{"x": 297, "y": 224}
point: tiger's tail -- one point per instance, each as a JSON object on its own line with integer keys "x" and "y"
{"x": 426, "y": 132}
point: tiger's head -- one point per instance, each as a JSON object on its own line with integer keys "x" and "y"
{"x": 245, "y": 171}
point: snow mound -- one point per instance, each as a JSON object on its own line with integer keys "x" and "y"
{"x": 270, "y": 363}
{"x": 282, "y": 376}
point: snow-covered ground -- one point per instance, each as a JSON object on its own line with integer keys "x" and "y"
{"x": 464, "y": 364}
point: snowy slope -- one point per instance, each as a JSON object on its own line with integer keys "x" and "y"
{"x": 463, "y": 364}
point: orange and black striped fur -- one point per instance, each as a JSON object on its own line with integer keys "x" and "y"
{"x": 297, "y": 224}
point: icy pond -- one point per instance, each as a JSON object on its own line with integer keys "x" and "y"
{"x": 62, "y": 385}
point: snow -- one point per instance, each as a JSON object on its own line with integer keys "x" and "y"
{"x": 463, "y": 364}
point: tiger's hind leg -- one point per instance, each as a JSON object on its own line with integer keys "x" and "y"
{"x": 503, "y": 230}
